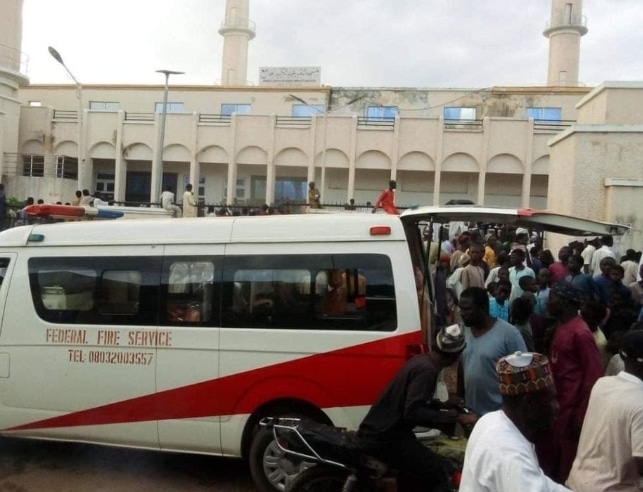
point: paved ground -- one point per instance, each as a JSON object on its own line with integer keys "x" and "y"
{"x": 32, "y": 466}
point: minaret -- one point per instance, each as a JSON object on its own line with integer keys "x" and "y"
{"x": 12, "y": 64}
{"x": 12, "y": 60}
{"x": 237, "y": 29}
{"x": 564, "y": 31}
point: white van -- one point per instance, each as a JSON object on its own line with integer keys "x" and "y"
{"x": 180, "y": 335}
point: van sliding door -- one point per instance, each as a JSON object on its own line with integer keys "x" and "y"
{"x": 188, "y": 364}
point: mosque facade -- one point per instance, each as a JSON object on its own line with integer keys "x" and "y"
{"x": 560, "y": 145}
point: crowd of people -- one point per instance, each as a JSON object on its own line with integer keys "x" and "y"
{"x": 189, "y": 205}
{"x": 550, "y": 361}
{"x": 518, "y": 272}
{"x": 577, "y": 322}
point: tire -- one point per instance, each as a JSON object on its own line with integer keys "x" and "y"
{"x": 271, "y": 469}
{"x": 319, "y": 478}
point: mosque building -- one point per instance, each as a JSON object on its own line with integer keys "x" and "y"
{"x": 559, "y": 145}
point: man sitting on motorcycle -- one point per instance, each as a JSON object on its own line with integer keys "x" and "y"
{"x": 407, "y": 402}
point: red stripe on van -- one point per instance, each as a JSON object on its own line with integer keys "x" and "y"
{"x": 346, "y": 377}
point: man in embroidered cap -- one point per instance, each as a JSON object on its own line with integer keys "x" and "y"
{"x": 610, "y": 452}
{"x": 407, "y": 402}
{"x": 576, "y": 365}
{"x": 500, "y": 454}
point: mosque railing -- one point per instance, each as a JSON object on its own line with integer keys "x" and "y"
{"x": 65, "y": 115}
{"x": 215, "y": 119}
{"x": 237, "y": 23}
{"x": 297, "y": 121}
{"x": 13, "y": 59}
{"x": 303, "y": 122}
{"x": 563, "y": 20}
{"x": 379, "y": 122}
{"x": 552, "y": 126}
{"x": 139, "y": 116}
{"x": 464, "y": 125}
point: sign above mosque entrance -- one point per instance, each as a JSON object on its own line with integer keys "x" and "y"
{"x": 290, "y": 76}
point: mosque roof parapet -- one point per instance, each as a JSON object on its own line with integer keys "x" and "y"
{"x": 609, "y": 84}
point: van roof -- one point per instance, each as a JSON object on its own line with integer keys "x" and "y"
{"x": 258, "y": 229}
{"x": 289, "y": 228}
{"x": 542, "y": 220}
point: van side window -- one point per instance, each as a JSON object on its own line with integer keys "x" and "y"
{"x": 4, "y": 264}
{"x": 188, "y": 287}
{"x": 341, "y": 291}
{"x": 95, "y": 290}
{"x": 321, "y": 292}
{"x": 271, "y": 296}
{"x": 119, "y": 292}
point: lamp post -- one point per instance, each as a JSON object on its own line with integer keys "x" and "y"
{"x": 81, "y": 140}
{"x": 157, "y": 174}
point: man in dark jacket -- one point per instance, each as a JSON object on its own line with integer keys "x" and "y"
{"x": 407, "y": 402}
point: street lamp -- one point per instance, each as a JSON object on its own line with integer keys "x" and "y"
{"x": 81, "y": 140}
{"x": 157, "y": 173}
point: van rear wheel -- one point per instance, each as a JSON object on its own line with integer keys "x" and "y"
{"x": 272, "y": 470}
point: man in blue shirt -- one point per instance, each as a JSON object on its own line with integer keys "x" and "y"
{"x": 488, "y": 339}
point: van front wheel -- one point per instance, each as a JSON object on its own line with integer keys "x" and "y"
{"x": 272, "y": 470}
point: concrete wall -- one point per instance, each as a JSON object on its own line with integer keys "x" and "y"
{"x": 408, "y": 151}
{"x": 591, "y": 160}
{"x": 202, "y": 99}
{"x": 501, "y": 158}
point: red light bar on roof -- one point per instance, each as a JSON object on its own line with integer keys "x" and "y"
{"x": 380, "y": 230}
{"x": 526, "y": 212}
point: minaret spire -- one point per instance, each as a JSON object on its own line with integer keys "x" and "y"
{"x": 237, "y": 30}
{"x": 564, "y": 31}
{"x": 13, "y": 71}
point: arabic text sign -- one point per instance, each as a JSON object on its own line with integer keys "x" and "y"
{"x": 290, "y": 76}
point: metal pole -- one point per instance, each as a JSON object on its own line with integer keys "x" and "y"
{"x": 323, "y": 162}
{"x": 81, "y": 141}
{"x": 157, "y": 178}
{"x": 157, "y": 175}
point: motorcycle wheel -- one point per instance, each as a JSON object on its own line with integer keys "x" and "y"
{"x": 320, "y": 478}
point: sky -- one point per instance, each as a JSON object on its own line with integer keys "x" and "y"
{"x": 357, "y": 43}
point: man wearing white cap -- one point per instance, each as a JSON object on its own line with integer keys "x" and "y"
{"x": 500, "y": 454}
{"x": 387, "y": 430}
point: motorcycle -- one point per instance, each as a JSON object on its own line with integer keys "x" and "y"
{"x": 337, "y": 464}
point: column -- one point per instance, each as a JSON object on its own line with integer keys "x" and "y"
{"x": 484, "y": 161}
{"x": 529, "y": 160}
{"x": 271, "y": 173}
{"x": 438, "y": 161}
{"x": 232, "y": 165}
{"x": 120, "y": 165}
